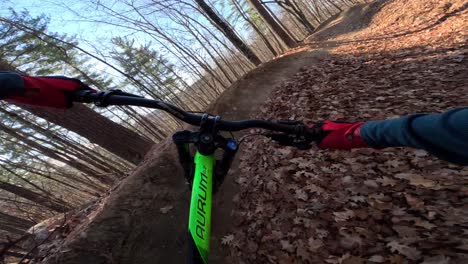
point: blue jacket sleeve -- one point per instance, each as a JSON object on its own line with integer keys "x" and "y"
{"x": 443, "y": 135}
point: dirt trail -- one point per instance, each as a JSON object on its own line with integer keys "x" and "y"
{"x": 239, "y": 102}
{"x": 129, "y": 225}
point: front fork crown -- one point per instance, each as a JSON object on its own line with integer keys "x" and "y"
{"x": 183, "y": 139}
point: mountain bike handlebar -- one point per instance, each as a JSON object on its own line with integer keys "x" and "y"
{"x": 61, "y": 92}
{"x": 117, "y": 97}
{"x": 203, "y": 171}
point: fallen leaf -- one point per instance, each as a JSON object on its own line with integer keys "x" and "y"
{"x": 407, "y": 251}
{"x": 301, "y": 195}
{"x": 302, "y": 251}
{"x": 386, "y": 181}
{"x": 417, "y": 180}
{"x": 425, "y": 224}
{"x": 361, "y": 214}
{"x": 314, "y": 188}
{"x": 414, "y": 202}
{"x": 358, "y": 198}
{"x": 286, "y": 245}
{"x": 420, "y": 153}
{"x": 314, "y": 244}
{"x": 371, "y": 183}
{"x": 166, "y": 209}
{"x": 287, "y": 152}
{"x": 439, "y": 259}
{"x": 377, "y": 259}
{"x": 322, "y": 233}
{"x": 405, "y": 231}
{"x": 343, "y": 216}
{"x": 350, "y": 240}
{"x": 227, "y": 240}
{"x": 352, "y": 260}
{"x": 377, "y": 204}
{"x": 396, "y": 259}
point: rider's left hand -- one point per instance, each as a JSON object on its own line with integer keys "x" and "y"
{"x": 53, "y": 92}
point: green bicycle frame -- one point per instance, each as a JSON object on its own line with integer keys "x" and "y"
{"x": 200, "y": 208}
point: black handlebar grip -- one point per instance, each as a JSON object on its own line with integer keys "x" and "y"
{"x": 10, "y": 84}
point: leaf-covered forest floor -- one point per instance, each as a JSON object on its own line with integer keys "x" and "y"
{"x": 397, "y": 205}
{"x": 386, "y": 59}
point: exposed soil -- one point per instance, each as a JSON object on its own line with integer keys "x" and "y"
{"x": 373, "y": 62}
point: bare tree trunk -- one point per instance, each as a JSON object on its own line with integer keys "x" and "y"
{"x": 94, "y": 127}
{"x": 255, "y": 27}
{"x": 17, "y": 221}
{"x": 228, "y": 32}
{"x": 98, "y": 130}
{"x": 272, "y": 14}
{"x": 301, "y": 17}
{"x": 33, "y": 196}
{"x": 274, "y": 25}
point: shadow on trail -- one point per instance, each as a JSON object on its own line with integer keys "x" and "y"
{"x": 353, "y": 19}
{"x": 334, "y": 31}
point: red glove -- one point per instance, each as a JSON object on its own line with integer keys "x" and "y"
{"x": 341, "y": 135}
{"x": 41, "y": 91}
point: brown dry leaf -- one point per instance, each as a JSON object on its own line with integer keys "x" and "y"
{"x": 407, "y": 251}
{"x": 287, "y": 246}
{"x": 287, "y": 152}
{"x": 302, "y": 251}
{"x": 314, "y": 188}
{"x": 361, "y": 214}
{"x": 166, "y": 209}
{"x": 353, "y": 260}
{"x": 377, "y": 259}
{"x": 414, "y": 202}
{"x": 252, "y": 247}
{"x": 343, "y": 216}
{"x": 271, "y": 186}
{"x": 227, "y": 240}
{"x": 314, "y": 244}
{"x": 380, "y": 205}
{"x": 439, "y": 259}
{"x": 396, "y": 259}
{"x": 425, "y": 224}
{"x": 420, "y": 153}
{"x": 417, "y": 180}
{"x": 358, "y": 198}
{"x": 301, "y": 195}
{"x": 301, "y": 162}
{"x": 349, "y": 239}
{"x": 386, "y": 181}
{"x": 333, "y": 260}
{"x": 371, "y": 183}
{"x": 321, "y": 233}
{"x": 405, "y": 231}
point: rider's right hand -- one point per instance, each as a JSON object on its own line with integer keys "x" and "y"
{"x": 340, "y": 135}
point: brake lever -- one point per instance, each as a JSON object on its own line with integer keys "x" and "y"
{"x": 289, "y": 140}
{"x": 302, "y": 138}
